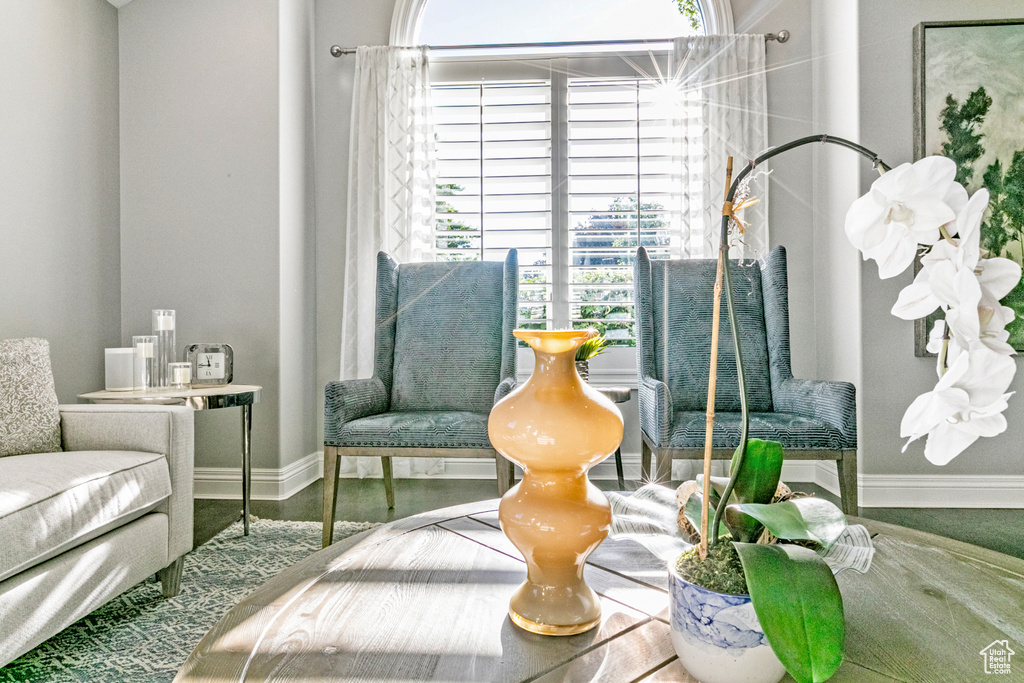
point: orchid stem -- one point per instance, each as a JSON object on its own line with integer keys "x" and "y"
{"x": 741, "y": 449}
{"x": 946, "y": 236}
{"x": 943, "y": 354}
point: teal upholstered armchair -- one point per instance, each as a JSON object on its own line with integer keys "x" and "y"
{"x": 813, "y": 420}
{"x": 444, "y": 354}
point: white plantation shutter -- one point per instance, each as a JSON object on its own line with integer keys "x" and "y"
{"x": 577, "y": 160}
{"x": 627, "y": 162}
{"x": 494, "y": 182}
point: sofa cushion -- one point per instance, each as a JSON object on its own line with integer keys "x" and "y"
{"x": 417, "y": 429}
{"x": 794, "y": 432}
{"x": 29, "y": 418}
{"x": 50, "y": 502}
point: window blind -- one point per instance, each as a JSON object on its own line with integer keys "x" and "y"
{"x": 494, "y": 182}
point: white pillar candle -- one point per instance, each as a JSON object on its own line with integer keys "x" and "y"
{"x": 181, "y": 374}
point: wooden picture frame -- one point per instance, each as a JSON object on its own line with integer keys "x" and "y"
{"x": 969, "y": 79}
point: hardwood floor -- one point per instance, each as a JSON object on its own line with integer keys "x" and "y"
{"x": 362, "y": 500}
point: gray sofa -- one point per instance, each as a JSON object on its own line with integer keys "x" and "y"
{"x": 80, "y": 526}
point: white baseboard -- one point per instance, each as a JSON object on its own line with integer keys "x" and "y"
{"x": 876, "y": 490}
{"x": 267, "y": 483}
{"x": 941, "y": 491}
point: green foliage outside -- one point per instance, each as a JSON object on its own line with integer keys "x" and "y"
{"x": 690, "y": 10}
{"x": 600, "y": 307}
{"x": 452, "y": 226}
{"x": 1002, "y": 232}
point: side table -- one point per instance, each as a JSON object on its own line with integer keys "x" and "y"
{"x": 617, "y": 395}
{"x": 205, "y": 398}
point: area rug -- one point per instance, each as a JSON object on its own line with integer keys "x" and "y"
{"x": 143, "y": 637}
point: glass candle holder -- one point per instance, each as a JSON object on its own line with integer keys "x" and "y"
{"x": 145, "y": 369}
{"x": 181, "y": 376}
{"x": 119, "y": 369}
{"x": 163, "y": 328}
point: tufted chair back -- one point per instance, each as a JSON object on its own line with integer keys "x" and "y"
{"x": 444, "y": 332}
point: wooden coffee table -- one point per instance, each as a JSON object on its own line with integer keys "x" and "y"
{"x": 426, "y": 598}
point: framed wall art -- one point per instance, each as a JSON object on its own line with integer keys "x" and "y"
{"x": 969, "y": 106}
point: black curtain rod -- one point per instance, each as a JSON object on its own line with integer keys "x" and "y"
{"x": 336, "y": 51}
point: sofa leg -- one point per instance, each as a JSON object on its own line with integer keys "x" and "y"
{"x": 847, "y": 466}
{"x": 170, "y": 577}
{"x": 389, "y": 482}
{"x": 331, "y": 466}
{"x": 664, "y": 467}
{"x": 645, "y": 462}
{"x": 506, "y": 473}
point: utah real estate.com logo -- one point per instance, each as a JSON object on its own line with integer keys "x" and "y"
{"x": 997, "y": 657}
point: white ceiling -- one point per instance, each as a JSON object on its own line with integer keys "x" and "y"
{"x": 119, "y": 3}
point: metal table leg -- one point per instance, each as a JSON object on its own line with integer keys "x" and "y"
{"x": 618, "y": 469}
{"x": 246, "y": 463}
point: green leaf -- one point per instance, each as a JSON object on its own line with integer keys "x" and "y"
{"x": 797, "y": 601}
{"x": 762, "y": 467}
{"x": 756, "y": 482}
{"x": 692, "y": 511}
{"x": 800, "y": 519}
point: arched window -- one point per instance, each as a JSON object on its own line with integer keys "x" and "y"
{"x": 415, "y": 22}
{"x": 561, "y": 134}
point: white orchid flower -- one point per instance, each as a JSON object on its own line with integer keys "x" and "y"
{"x": 967, "y": 403}
{"x": 919, "y": 298}
{"x": 905, "y": 207}
{"x": 936, "y": 338}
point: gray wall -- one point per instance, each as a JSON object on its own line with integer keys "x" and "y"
{"x": 347, "y": 23}
{"x": 297, "y": 228}
{"x": 200, "y": 193}
{"x": 59, "y": 183}
{"x": 892, "y": 376}
{"x": 789, "y": 116}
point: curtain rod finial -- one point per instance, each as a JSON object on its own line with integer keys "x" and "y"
{"x": 336, "y": 51}
{"x": 782, "y": 36}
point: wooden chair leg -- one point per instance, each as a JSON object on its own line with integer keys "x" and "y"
{"x": 506, "y": 473}
{"x": 389, "y": 483}
{"x": 170, "y": 577}
{"x": 645, "y": 461}
{"x": 847, "y": 466}
{"x": 330, "y": 492}
{"x": 664, "y": 465}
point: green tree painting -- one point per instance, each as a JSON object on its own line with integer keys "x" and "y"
{"x": 1002, "y": 231}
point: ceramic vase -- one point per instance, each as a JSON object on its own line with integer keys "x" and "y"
{"x": 718, "y": 637}
{"x": 556, "y": 427}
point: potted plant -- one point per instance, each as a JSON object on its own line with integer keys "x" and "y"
{"x": 915, "y": 208}
{"x": 761, "y": 601}
{"x": 587, "y": 350}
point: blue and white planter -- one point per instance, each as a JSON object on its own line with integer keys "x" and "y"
{"x": 717, "y": 636}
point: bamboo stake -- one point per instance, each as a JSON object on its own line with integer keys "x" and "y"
{"x": 712, "y": 377}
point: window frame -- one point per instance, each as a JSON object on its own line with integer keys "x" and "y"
{"x": 405, "y": 20}
{"x": 617, "y": 366}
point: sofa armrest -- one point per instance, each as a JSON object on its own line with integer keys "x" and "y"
{"x": 349, "y": 400}
{"x": 505, "y": 388}
{"x": 150, "y": 429}
{"x": 655, "y": 409}
{"x": 834, "y": 403}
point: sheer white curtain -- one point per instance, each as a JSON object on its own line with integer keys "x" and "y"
{"x": 727, "y": 73}
{"x": 390, "y": 198}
